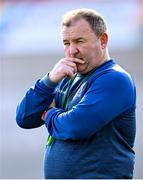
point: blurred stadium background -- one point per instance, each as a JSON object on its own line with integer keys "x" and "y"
{"x": 30, "y": 45}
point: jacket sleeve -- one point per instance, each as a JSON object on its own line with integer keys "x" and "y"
{"x": 108, "y": 97}
{"x": 34, "y": 103}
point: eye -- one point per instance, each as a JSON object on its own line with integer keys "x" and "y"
{"x": 80, "y": 41}
{"x": 66, "y": 43}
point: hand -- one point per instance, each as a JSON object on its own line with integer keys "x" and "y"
{"x": 65, "y": 67}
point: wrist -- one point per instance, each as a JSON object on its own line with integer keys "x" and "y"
{"x": 54, "y": 79}
{"x": 48, "y": 82}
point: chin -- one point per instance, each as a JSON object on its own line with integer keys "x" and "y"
{"x": 82, "y": 69}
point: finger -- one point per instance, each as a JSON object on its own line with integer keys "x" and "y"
{"x": 75, "y": 69}
{"x": 71, "y": 64}
{"x": 70, "y": 72}
{"x": 76, "y": 60}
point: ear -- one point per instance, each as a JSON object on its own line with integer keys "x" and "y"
{"x": 104, "y": 40}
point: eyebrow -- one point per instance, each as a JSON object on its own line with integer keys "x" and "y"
{"x": 77, "y": 39}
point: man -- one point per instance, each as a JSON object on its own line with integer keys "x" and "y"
{"x": 87, "y": 103}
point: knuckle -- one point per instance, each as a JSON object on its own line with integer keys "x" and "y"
{"x": 62, "y": 60}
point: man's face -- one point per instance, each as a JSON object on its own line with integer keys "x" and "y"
{"x": 81, "y": 42}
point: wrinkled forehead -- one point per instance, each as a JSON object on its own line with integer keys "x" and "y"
{"x": 80, "y": 28}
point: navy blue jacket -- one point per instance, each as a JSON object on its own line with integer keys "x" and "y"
{"x": 94, "y": 132}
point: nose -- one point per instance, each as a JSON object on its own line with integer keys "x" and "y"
{"x": 73, "y": 50}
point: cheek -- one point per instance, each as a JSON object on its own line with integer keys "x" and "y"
{"x": 95, "y": 51}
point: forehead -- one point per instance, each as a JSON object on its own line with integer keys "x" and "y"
{"x": 79, "y": 28}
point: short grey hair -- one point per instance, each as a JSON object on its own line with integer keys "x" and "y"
{"x": 95, "y": 20}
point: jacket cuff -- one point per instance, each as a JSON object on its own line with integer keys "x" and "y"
{"x": 47, "y": 82}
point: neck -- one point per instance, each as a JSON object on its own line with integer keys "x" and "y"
{"x": 106, "y": 57}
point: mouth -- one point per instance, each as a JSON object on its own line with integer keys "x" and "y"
{"x": 80, "y": 58}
